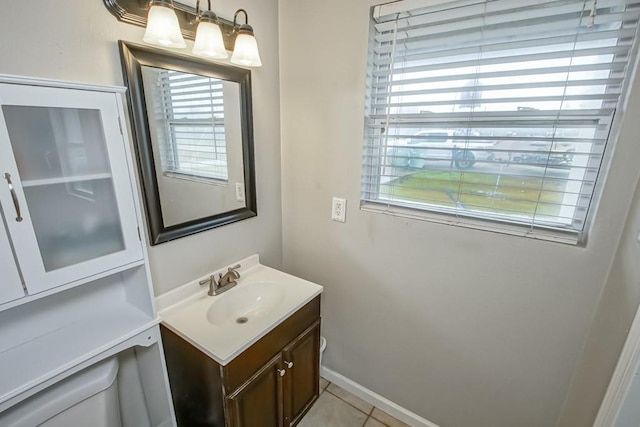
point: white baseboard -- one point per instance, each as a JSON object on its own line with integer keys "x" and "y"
{"x": 374, "y": 399}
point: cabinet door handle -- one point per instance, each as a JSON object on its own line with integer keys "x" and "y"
{"x": 282, "y": 372}
{"x": 289, "y": 364}
{"x": 12, "y": 190}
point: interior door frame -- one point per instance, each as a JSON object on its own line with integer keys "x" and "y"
{"x": 622, "y": 377}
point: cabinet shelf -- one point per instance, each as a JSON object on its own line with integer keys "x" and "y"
{"x": 54, "y": 353}
{"x": 65, "y": 179}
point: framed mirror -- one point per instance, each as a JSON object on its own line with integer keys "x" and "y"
{"x": 193, "y": 133}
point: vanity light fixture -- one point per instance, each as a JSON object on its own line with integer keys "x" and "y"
{"x": 163, "y": 28}
{"x": 245, "y": 49}
{"x": 167, "y": 22}
{"x": 209, "y": 42}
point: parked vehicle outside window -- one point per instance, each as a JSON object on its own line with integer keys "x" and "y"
{"x": 436, "y": 145}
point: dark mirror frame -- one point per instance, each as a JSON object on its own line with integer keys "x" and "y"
{"x": 133, "y": 57}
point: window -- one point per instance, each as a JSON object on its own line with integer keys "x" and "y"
{"x": 190, "y": 117}
{"x": 494, "y": 114}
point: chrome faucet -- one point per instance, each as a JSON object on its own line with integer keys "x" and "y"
{"x": 224, "y": 283}
{"x": 230, "y": 276}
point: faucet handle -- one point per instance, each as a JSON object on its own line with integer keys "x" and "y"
{"x": 232, "y": 271}
{"x": 206, "y": 281}
{"x": 211, "y": 281}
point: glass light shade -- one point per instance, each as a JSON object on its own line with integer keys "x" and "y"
{"x": 163, "y": 28}
{"x": 209, "y": 41}
{"x": 245, "y": 51}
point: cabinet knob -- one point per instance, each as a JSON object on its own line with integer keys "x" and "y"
{"x": 282, "y": 372}
{"x": 289, "y": 364}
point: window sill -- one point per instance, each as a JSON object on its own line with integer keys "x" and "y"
{"x": 196, "y": 178}
{"x": 493, "y": 226}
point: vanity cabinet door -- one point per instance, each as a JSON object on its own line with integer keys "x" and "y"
{"x": 301, "y": 359}
{"x": 10, "y": 283}
{"x": 258, "y": 402}
{"x": 64, "y": 184}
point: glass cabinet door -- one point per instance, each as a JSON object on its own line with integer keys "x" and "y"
{"x": 10, "y": 283}
{"x": 66, "y": 180}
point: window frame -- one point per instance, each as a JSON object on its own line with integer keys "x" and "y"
{"x": 477, "y": 220}
{"x": 171, "y": 146}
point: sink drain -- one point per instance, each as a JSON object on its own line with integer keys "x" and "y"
{"x": 242, "y": 320}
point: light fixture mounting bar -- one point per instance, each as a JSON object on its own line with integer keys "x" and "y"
{"x": 135, "y": 12}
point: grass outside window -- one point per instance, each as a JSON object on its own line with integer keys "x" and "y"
{"x": 492, "y": 193}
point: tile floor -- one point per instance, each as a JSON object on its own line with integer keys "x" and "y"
{"x": 338, "y": 408}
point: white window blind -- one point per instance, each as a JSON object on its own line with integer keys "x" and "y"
{"x": 495, "y": 110}
{"x": 192, "y": 112}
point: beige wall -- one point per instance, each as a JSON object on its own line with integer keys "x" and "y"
{"x": 73, "y": 40}
{"x": 462, "y": 327}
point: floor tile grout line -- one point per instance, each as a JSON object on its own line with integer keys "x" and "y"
{"x": 371, "y": 417}
{"x": 326, "y": 388}
{"x": 368, "y": 414}
{"x": 353, "y": 406}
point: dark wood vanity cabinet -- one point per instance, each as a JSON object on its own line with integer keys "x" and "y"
{"x": 258, "y": 402}
{"x": 301, "y": 382}
{"x": 272, "y": 383}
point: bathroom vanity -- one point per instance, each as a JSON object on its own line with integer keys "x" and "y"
{"x": 248, "y": 357}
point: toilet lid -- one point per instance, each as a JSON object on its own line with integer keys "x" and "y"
{"x": 61, "y": 396}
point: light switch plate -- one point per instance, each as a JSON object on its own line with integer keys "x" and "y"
{"x": 240, "y": 192}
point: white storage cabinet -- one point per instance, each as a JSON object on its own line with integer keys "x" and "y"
{"x": 75, "y": 286}
{"x": 66, "y": 191}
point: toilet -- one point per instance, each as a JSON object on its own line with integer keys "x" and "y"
{"x": 323, "y": 346}
{"x": 89, "y": 397}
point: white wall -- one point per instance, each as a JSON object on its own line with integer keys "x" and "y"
{"x": 462, "y": 327}
{"x": 73, "y": 40}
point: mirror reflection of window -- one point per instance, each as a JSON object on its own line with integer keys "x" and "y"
{"x": 196, "y": 134}
{"x": 190, "y": 122}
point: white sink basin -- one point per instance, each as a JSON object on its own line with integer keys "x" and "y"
{"x": 242, "y": 305}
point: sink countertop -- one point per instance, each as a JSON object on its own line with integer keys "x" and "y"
{"x": 184, "y": 311}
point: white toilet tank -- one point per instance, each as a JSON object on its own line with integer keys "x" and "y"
{"x": 88, "y": 398}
